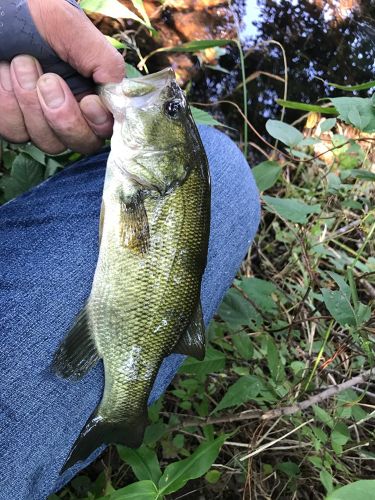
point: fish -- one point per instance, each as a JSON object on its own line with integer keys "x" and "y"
{"x": 154, "y": 228}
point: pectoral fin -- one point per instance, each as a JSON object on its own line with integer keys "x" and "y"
{"x": 77, "y": 353}
{"x": 193, "y": 341}
{"x": 134, "y": 229}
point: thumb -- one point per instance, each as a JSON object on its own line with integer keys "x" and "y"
{"x": 76, "y": 41}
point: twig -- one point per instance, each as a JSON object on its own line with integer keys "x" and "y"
{"x": 268, "y": 445}
{"x": 277, "y": 412}
{"x": 318, "y": 398}
{"x": 192, "y": 422}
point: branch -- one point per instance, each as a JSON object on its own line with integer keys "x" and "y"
{"x": 277, "y": 412}
{"x": 318, "y": 398}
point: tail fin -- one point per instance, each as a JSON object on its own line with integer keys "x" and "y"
{"x": 99, "y": 431}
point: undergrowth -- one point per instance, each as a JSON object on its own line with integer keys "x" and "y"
{"x": 297, "y": 322}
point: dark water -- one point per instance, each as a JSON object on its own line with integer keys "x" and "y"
{"x": 321, "y": 39}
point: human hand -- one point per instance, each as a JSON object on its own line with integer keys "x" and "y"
{"x": 40, "y": 107}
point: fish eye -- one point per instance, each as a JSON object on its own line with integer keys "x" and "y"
{"x": 173, "y": 108}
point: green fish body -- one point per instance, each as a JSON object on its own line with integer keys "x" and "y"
{"x": 154, "y": 228}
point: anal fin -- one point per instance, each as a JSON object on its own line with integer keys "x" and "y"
{"x": 193, "y": 340}
{"x": 77, "y": 353}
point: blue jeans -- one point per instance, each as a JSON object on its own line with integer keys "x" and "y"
{"x": 48, "y": 252}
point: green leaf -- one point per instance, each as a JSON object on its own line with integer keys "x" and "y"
{"x": 177, "y": 474}
{"x": 291, "y": 209}
{"x": 358, "y": 120}
{"x": 214, "y": 361}
{"x": 145, "y": 490}
{"x": 290, "y": 468}
{"x": 274, "y": 362}
{"x": 359, "y": 490}
{"x": 323, "y": 416}
{"x": 25, "y": 174}
{"x": 283, "y": 132}
{"x": 306, "y": 107}
{"x": 34, "y": 152}
{"x": 363, "y": 116}
{"x": 212, "y": 476}
{"x": 154, "y": 432}
{"x": 115, "y": 43}
{"x": 203, "y": 118}
{"x": 143, "y": 462}
{"x": 197, "y": 45}
{"x": 245, "y": 389}
{"x": 351, "y": 88}
{"x": 236, "y": 310}
{"x": 266, "y": 174}
{"x": 243, "y": 345}
{"x": 131, "y": 71}
{"x": 328, "y": 124}
{"x": 338, "y": 304}
{"x": 260, "y": 292}
{"x": 326, "y": 480}
{"x": 362, "y": 174}
{"x": 340, "y": 434}
{"x": 138, "y": 4}
{"x": 111, "y": 8}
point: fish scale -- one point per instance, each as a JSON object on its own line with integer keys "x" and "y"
{"x": 145, "y": 298}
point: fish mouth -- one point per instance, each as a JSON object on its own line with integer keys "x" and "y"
{"x": 140, "y": 85}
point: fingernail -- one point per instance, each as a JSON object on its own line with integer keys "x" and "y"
{"x": 26, "y": 71}
{"x": 51, "y": 91}
{"x": 94, "y": 111}
{"x": 5, "y": 79}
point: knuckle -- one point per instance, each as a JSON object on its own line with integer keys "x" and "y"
{"x": 14, "y": 135}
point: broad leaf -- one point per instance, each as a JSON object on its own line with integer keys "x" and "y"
{"x": 362, "y": 174}
{"x": 143, "y": 462}
{"x": 111, "y": 8}
{"x": 328, "y": 124}
{"x": 202, "y": 117}
{"x": 25, "y": 173}
{"x": 214, "y": 361}
{"x": 243, "y": 345}
{"x": 360, "y": 490}
{"x": 237, "y": 311}
{"x": 283, "y": 132}
{"x": 145, "y": 490}
{"x": 326, "y": 479}
{"x": 338, "y": 304}
{"x": 177, "y": 474}
{"x": 323, "y": 416}
{"x": 358, "y": 111}
{"x": 291, "y": 209}
{"x": 245, "y": 389}
{"x": 260, "y": 292}
{"x": 266, "y": 174}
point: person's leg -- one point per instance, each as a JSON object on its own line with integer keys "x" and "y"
{"x": 48, "y": 252}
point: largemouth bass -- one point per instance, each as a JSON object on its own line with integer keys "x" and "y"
{"x": 154, "y": 227}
